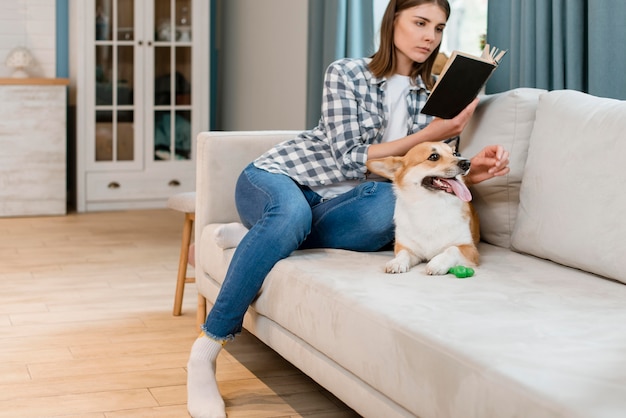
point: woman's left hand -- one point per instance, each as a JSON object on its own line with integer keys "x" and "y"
{"x": 491, "y": 161}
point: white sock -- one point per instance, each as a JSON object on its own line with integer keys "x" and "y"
{"x": 203, "y": 395}
{"x": 229, "y": 235}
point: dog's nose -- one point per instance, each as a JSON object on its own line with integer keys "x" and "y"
{"x": 464, "y": 164}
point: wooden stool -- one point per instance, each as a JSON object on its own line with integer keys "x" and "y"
{"x": 186, "y": 203}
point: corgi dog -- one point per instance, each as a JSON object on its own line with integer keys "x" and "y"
{"x": 435, "y": 221}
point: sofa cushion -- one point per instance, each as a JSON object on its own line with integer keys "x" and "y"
{"x": 572, "y": 196}
{"x": 524, "y": 337}
{"x": 506, "y": 119}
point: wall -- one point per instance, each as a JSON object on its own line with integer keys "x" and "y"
{"x": 29, "y": 23}
{"x": 262, "y": 53}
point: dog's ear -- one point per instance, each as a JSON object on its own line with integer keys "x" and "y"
{"x": 454, "y": 143}
{"x": 385, "y": 167}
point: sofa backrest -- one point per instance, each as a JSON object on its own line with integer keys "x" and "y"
{"x": 573, "y": 199}
{"x": 507, "y": 119}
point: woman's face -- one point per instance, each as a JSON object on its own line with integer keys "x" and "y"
{"x": 417, "y": 32}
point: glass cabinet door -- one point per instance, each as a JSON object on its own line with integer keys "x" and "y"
{"x": 115, "y": 61}
{"x": 142, "y": 97}
{"x": 172, "y": 80}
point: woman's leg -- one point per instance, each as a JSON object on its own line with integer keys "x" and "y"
{"x": 278, "y": 215}
{"x": 359, "y": 220}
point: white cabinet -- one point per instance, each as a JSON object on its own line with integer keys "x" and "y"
{"x": 142, "y": 98}
{"x": 33, "y": 142}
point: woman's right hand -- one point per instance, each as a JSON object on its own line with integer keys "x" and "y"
{"x": 440, "y": 129}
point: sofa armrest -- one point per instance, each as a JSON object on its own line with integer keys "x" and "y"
{"x": 221, "y": 158}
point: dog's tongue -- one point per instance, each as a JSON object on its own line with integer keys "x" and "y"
{"x": 459, "y": 189}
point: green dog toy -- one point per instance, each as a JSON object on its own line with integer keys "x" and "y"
{"x": 461, "y": 272}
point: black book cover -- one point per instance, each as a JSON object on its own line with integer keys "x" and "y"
{"x": 458, "y": 86}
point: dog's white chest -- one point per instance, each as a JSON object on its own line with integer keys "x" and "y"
{"x": 428, "y": 226}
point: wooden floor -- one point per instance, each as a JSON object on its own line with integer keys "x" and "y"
{"x": 86, "y": 327}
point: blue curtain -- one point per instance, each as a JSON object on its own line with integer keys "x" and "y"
{"x": 337, "y": 29}
{"x": 560, "y": 44}
{"x": 213, "y": 64}
{"x": 62, "y": 39}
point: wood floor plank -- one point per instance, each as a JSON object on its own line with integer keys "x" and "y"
{"x": 13, "y": 372}
{"x": 12, "y": 352}
{"x": 86, "y": 327}
{"x": 47, "y": 331}
{"x": 22, "y": 305}
{"x": 163, "y": 345}
{"x": 74, "y": 368}
{"x": 48, "y": 388}
{"x": 173, "y": 411}
{"x": 39, "y": 407}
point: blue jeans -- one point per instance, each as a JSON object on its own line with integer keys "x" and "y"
{"x": 283, "y": 216}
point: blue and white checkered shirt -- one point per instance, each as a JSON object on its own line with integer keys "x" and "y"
{"x": 353, "y": 117}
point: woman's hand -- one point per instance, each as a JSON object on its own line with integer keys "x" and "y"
{"x": 491, "y": 161}
{"x": 449, "y": 128}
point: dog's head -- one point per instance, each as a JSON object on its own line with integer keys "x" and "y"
{"x": 433, "y": 166}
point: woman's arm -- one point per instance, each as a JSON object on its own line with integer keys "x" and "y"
{"x": 347, "y": 133}
{"x": 437, "y": 130}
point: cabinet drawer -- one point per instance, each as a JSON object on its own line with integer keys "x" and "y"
{"x": 136, "y": 186}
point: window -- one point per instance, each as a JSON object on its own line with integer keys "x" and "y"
{"x": 466, "y": 27}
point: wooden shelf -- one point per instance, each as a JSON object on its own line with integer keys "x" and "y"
{"x": 34, "y": 81}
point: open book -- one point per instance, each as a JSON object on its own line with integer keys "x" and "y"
{"x": 460, "y": 82}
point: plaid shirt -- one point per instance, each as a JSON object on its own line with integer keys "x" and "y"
{"x": 353, "y": 118}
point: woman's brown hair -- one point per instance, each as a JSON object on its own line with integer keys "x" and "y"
{"x": 384, "y": 60}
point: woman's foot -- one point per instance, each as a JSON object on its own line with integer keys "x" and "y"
{"x": 203, "y": 396}
{"x": 229, "y": 235}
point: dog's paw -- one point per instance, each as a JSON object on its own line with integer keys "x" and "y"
{"x": 438, "y": 266}
{"x": 396, "y": 266}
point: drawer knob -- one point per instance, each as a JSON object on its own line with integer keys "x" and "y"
{"x": 174, "y": 183}
{"x": 114, "y": 185}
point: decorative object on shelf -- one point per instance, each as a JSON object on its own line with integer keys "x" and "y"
{"x": 19, "y": 59}
{"x": 183, "y": 26}
{"x": 164, "y": 31}
{"x": 102, "y": 25}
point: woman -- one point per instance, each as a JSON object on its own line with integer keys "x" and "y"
{"x": 314, "y": 192}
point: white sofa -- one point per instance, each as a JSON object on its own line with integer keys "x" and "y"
{"x": 538, "y": 331}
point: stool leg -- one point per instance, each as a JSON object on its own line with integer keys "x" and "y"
{"x": 201, "y": 312}
{"x": 182, "y": 264}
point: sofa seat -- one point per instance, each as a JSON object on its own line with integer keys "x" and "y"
{"x": 474, "y": 347}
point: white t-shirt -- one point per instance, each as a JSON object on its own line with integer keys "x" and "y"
{"x": 397, "y": 108}
{"x": 397, "y": 112}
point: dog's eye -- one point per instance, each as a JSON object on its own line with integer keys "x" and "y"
{"x": 457, "y": 154}
{"x": 434, "y": 157}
